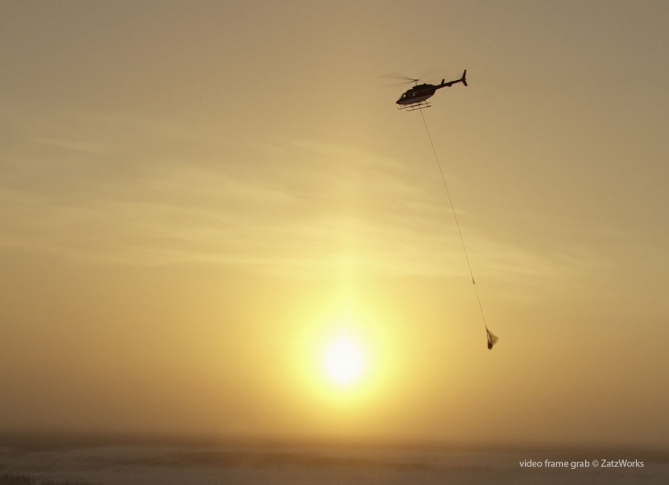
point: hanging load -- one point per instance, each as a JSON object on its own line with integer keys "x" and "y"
{"x": 492, "y": 338}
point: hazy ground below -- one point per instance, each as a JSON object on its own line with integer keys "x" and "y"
{"x": 49, "y": 460}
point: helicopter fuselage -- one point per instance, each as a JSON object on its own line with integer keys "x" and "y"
{"x": 418, "y": 94}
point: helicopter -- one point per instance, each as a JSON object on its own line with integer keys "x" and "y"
{"x": 415, "y": 98}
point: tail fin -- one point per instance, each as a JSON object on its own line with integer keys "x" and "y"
{"x": 464, "y": 78}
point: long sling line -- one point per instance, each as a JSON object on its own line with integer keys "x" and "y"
{"x": 489, "y": 336}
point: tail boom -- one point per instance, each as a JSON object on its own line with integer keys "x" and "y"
{"x": 448, "y": 84}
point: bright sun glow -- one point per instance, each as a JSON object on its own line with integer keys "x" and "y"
{"x": 344, "y": 361}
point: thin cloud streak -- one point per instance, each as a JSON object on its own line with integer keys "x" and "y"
{"x": 194, "y": 196}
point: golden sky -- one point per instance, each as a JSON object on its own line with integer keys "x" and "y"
{"x": 197, "y": 199}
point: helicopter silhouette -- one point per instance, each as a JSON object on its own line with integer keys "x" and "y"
{"x": 415, "y": 98}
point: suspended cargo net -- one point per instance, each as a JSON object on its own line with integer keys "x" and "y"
{"x": 492, "y": 338}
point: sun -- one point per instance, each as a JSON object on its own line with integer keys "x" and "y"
{"x": 344, "y": 361}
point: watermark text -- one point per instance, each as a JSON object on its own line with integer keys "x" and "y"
{"x": 573, "y": 465}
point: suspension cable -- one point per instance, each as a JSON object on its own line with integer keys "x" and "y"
{"x": 455, "y": 216}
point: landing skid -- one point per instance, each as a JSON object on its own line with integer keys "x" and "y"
{"x": 415, "y": 106}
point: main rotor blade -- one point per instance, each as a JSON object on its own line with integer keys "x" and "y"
{"x": 403, "y": 82}
{"x": 399, "y": 75}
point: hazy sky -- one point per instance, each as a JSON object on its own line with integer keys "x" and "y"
{"x": 196, "y": 197}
